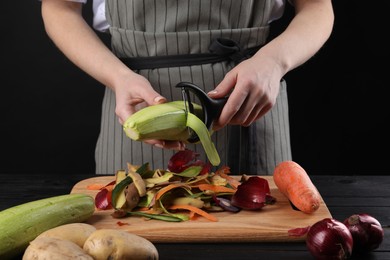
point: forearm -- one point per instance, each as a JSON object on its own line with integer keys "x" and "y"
{"x": 76, "y": 39}
{"x": 304, "y": 36}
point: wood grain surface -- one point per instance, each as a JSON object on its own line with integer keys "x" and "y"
{"x": 270, "y": 224}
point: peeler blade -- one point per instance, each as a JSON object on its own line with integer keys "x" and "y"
{"x": 211, "y": 108}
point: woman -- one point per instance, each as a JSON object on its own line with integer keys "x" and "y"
{"x": 252, "y": 132}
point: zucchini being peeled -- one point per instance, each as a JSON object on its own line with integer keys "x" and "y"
{"x": 169, "y": 121}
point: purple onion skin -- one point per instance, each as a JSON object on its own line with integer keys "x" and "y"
{"x": 366, "y": 231}
{"x": 226, "y": 204}
{"x": 251, "y": 194}
{"x": 329, "y": 239}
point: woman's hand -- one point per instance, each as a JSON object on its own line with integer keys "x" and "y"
{"x": 64, "y": 23}
{"x": 252, "y": 86}
{"x": 133, "y": 92}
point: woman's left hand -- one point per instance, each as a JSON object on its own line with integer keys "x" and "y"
{"x": 252, "y": 86}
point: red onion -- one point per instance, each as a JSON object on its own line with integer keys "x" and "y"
{"x": 329, "y": 239}
{"x": 366, "y": 231}
{"x": 252, "y": 194}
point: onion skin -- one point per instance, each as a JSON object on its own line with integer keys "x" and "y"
{"x": 251, "y": 194}
{"x": 329, "y": 239}
{"x": 366, "y": 231}
{"x": 226, "y": 204}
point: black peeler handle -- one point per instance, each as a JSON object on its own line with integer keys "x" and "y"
{"x": 212, "y": 108}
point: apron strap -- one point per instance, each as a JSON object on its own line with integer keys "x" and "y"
{"x": 220, "y": 50}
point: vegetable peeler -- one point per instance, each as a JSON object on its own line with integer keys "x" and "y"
{"x": 211, "y": 108}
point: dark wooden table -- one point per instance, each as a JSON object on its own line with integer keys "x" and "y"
{"x": 344, "y": 196}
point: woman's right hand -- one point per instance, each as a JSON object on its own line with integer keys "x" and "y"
{"x": 134, "y": 92}
{"x": 64, "y": 23}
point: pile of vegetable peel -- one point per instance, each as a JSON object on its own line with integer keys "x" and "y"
{"x": 184, "y": 191}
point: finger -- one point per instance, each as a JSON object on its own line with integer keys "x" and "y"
{"x": 159, "y": 100}
{"x": 124, "y": 108}
{"x": 233, "y": 105}
{"x": 143, "y": 90}
{"x": 263, "y": 111}
{"x": 124, "y": 113}
{"x": 256, "y": 113}
{"x": 260, "y": 108}
{"x": 174, "y": 145}
{"x": 128, "y": 108}
{"x": 164, "y": 144}
{"x": 249, "y": 110}
{"x": 224, "y": 87}
{"x": 151, "y": 97}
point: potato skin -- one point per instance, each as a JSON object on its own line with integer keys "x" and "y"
{"x": 75, "y": 232}
{"x": 50, "y": 248}
{"x": 116, "y": 244}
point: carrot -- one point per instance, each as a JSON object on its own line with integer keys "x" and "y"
{"x": 294, "y": 182}
{"x": 195, "y": 210}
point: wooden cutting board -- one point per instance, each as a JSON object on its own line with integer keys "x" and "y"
{"x": 270, "y": 224}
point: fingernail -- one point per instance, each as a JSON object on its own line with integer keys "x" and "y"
{"x": 212, "y": 92}
{"x": 159, "y": 145}
{"x": 158, "y": 99}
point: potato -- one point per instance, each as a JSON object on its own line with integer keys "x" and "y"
{"x": 51, "y": 248}
{"x": 117, "y": 244}
{"x": 75, "y": 232}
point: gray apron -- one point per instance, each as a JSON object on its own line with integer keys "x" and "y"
{"x": 172, "y": 27}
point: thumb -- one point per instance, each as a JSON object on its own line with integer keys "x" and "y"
{"x": 151, "y": 97}
{"x": 129, "y": 110}
{"x": 159, "y": 100}
{"x": 125, "y": 109}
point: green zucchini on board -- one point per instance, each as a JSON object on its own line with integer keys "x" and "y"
{"x": 23, "y": 223}
{"x": 169, "y": 121}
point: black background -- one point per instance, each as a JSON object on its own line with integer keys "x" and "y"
{"x": 50, "y": 110}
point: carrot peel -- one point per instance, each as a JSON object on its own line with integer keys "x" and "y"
{"x": 214, "y": 188}
{"x": 194, "y": 210}
{"x": 167, "y": 188}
